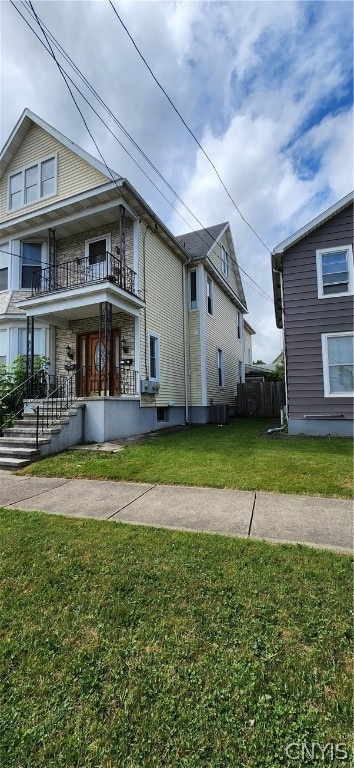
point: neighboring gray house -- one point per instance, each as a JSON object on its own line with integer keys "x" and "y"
{"x": 313, "y": 294}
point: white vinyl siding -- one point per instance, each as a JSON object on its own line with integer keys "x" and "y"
{"x": 338, "y": 364}
{"x": 163, "y": 317}
{"x": 74, "y": 175}
{"x": 334, "y": 272}
{"x": 4, "y": 343}
{"x": 220, "y": 333}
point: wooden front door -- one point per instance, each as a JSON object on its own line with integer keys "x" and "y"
{"x": 100, "y": 367}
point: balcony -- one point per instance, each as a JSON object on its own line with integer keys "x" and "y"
{"x": 84, "y": 270}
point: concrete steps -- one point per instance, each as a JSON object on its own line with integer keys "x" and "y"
{"x": 18, "y": 444}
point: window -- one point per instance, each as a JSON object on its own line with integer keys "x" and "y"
{"x": 22, "y": 342}
{"x": 193, "y": 289}
{"x": 3, "y": 347}
{"x": 240, "y": 371}
{"x": 4, "y": 268}
{"x": 338, "y": 364}
{"x": 31, "y": 262}
{"x": 96, "y": 254}
{"x": 225, "y": 262}
{"x": 239, "y": 323}
{"x": 33, "y": 183}
{"x": 220, "y": 368}
{"x": 162, "y": 414}
{"x": 210, "y": 297}
{"x": 154, "y": 357}
{"x": 334, "y": 271}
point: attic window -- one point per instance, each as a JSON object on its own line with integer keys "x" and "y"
{"x": 225, "y": 262}
{"x": 32, "y": 183}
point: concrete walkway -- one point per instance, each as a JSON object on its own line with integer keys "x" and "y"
{"x": 316, "y": 521}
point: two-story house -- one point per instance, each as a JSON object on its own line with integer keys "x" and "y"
{"x": 148, "y": 327}
{"x": 313, "y": 294}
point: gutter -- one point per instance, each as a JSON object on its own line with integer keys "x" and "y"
{"x": 185, "y": 344}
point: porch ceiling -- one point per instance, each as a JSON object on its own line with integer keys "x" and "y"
{"x": 84, "y": 302}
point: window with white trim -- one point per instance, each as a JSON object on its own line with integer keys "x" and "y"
{"x": 334, "y": 271}
{"x": 154, "y": 357}
{"x": 210, "y": 296}
{"x": 338, "y": 364}
{"x": 31, "y": 262}
{"x": 220, "y": 359}
{"x": 4, "y": 268}
{"x": 239, "y": 324}
{"x": 193, "y": 289}
{"x": 32, "y": 183}
{"x": 225, "y": 262}
{"x": 37, "y": 342}
{"x": 3, "y": 347}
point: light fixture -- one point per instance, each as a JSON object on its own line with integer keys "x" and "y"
{"x": 70, "y": 352}
{"x": 125, "y": 347}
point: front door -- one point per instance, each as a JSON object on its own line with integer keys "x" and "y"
{"x": 98, "y": 377}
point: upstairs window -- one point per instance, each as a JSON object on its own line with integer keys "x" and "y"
{"x": 210, "y": 296}
{"x": 32, "y": 183}
{"x": 31, "y": 262}
{"x": 4, "y": 269}
{"x": 193, "y": 289}
{"x": 225, "y": 262}
{"x": 334, "y": 271}
{"x": 239, "y": 324}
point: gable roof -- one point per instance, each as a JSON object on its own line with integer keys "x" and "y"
{"x": 315, "y": 223}
{"x": 280, "y": 249}
{"x": 27, "y": 119}
{"x": 199, "y": 243}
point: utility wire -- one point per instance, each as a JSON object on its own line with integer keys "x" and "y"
{"x": 67, "y": 77}
{"x": 188, "y": 128}
{"x": 84, "y": 79}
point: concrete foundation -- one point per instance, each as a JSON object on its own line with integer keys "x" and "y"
{"x": 110, "y": 418}
{"x": 321, "y": 427}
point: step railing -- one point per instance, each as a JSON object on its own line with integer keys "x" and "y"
{"x": 13, "y": 402}
{"x": 57, "y": 403}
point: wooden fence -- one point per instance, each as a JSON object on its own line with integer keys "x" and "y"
{"x": 260, "y": 398}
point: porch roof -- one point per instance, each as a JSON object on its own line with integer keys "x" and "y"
{"x": 80, "y": 303}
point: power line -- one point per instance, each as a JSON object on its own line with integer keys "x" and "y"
{"x": 34, "y": 261}
{"x": 67, "y": 77}
{"x": 87, "y": 83}
{"x": 188, "y": 128}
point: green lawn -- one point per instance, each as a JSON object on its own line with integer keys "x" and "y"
{"x": 232, "y": 456}
{"x": 130, "y": 647}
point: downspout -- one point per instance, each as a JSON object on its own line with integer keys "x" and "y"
{"x": 185, "y": 343}
{"x": 144, "y": 296}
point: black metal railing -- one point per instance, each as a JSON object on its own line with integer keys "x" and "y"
{"x": 57, "y": 403}
{"x": 120, "y": 382}
{"x": 83, "y": 270}
{"x": 13, "y": 402}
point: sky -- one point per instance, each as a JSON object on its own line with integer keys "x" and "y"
{"x": 266, "y": 87}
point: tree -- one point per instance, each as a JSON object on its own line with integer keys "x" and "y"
{"x": 258, "y": 362}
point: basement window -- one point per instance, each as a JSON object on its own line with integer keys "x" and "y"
{"x": 162, "y": 414}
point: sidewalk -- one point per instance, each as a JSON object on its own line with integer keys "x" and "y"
{"x": 316, "y": 521}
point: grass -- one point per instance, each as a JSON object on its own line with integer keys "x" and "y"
{"x": 232, "y": 456}
{"x": 130, "y": 647}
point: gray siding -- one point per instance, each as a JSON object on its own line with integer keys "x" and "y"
{"x": 306, "y": 317}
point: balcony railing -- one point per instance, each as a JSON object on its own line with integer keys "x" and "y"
{"x": 81, "y": 271}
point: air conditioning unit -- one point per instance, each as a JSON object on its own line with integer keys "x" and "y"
{"x": 149, "y": 387}
{"x": 219, "y": 413}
